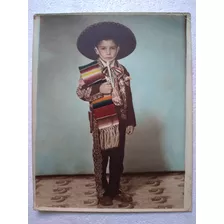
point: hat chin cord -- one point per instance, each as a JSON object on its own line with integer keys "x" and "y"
{"x": 108, "y": 67}
{"x": 107, "y": 63}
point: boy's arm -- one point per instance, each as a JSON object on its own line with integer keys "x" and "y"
{"x": 88, "y": 93}
{"x": 131, "y": 119}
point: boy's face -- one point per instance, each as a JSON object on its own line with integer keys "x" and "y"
{"x": 107, "y": 50}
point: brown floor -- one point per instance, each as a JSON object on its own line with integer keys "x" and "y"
{"x": 148, "y": 190}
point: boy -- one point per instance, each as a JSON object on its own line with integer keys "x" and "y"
{"x": 105, "y": 84}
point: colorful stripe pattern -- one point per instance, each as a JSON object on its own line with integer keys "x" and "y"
{"x": 106, "y": 100}
{"x": 108, "y": 122}
{"x": 91, "y": 73}
{"x": 104, "y": 112}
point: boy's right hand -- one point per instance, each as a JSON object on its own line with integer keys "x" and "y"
{"x": 81, "y": 83}
{"x": 106, "y": 88}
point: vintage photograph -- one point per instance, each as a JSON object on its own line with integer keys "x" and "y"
{"x": 112, "y": 112}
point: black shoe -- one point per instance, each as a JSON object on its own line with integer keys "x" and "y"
{"x": 122, "y": 197}
{"x": 105, "y": 201}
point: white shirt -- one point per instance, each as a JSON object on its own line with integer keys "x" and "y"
{"x": 110, "y": 73}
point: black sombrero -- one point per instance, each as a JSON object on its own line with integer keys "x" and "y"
{"x": 106, "y": 30}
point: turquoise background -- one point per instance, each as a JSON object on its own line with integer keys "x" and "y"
{"x": 157, "y": 68}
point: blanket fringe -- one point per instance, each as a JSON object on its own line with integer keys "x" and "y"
{"x": 109, "y": 137}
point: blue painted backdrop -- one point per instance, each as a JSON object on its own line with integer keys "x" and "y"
{"x": 157, "y": 67}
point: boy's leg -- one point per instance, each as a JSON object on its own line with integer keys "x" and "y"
{"x": 104, "y": 170}
{"x": 116, "y": 164}
{"x": 100, "y": 160}
{"x": 116, "y": 170}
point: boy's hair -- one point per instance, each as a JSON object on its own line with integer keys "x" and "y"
{"x": 106, "y": 38}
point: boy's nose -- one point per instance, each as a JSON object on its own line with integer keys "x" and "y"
{"x": 108, "y": 51}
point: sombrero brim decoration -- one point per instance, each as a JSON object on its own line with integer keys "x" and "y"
{"x": 121, "y": 34}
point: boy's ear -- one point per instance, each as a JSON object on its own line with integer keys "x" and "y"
{"x": 118, "y": 49}
{"x": 96, "y": 50}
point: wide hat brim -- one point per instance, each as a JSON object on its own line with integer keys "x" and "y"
{"x": 106, "y": 30}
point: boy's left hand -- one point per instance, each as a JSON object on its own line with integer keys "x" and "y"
{"x": 130, "y": 130}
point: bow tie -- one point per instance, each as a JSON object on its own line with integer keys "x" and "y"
{"x": 114, "y": 69}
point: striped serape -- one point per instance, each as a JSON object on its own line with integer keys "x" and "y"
{"x": 104, "y": 112}
{"x": 91, "y": 73}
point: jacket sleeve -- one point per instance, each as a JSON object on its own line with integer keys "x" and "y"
{"x": 131, "y": 119}
{"x": 88, "y": 94}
